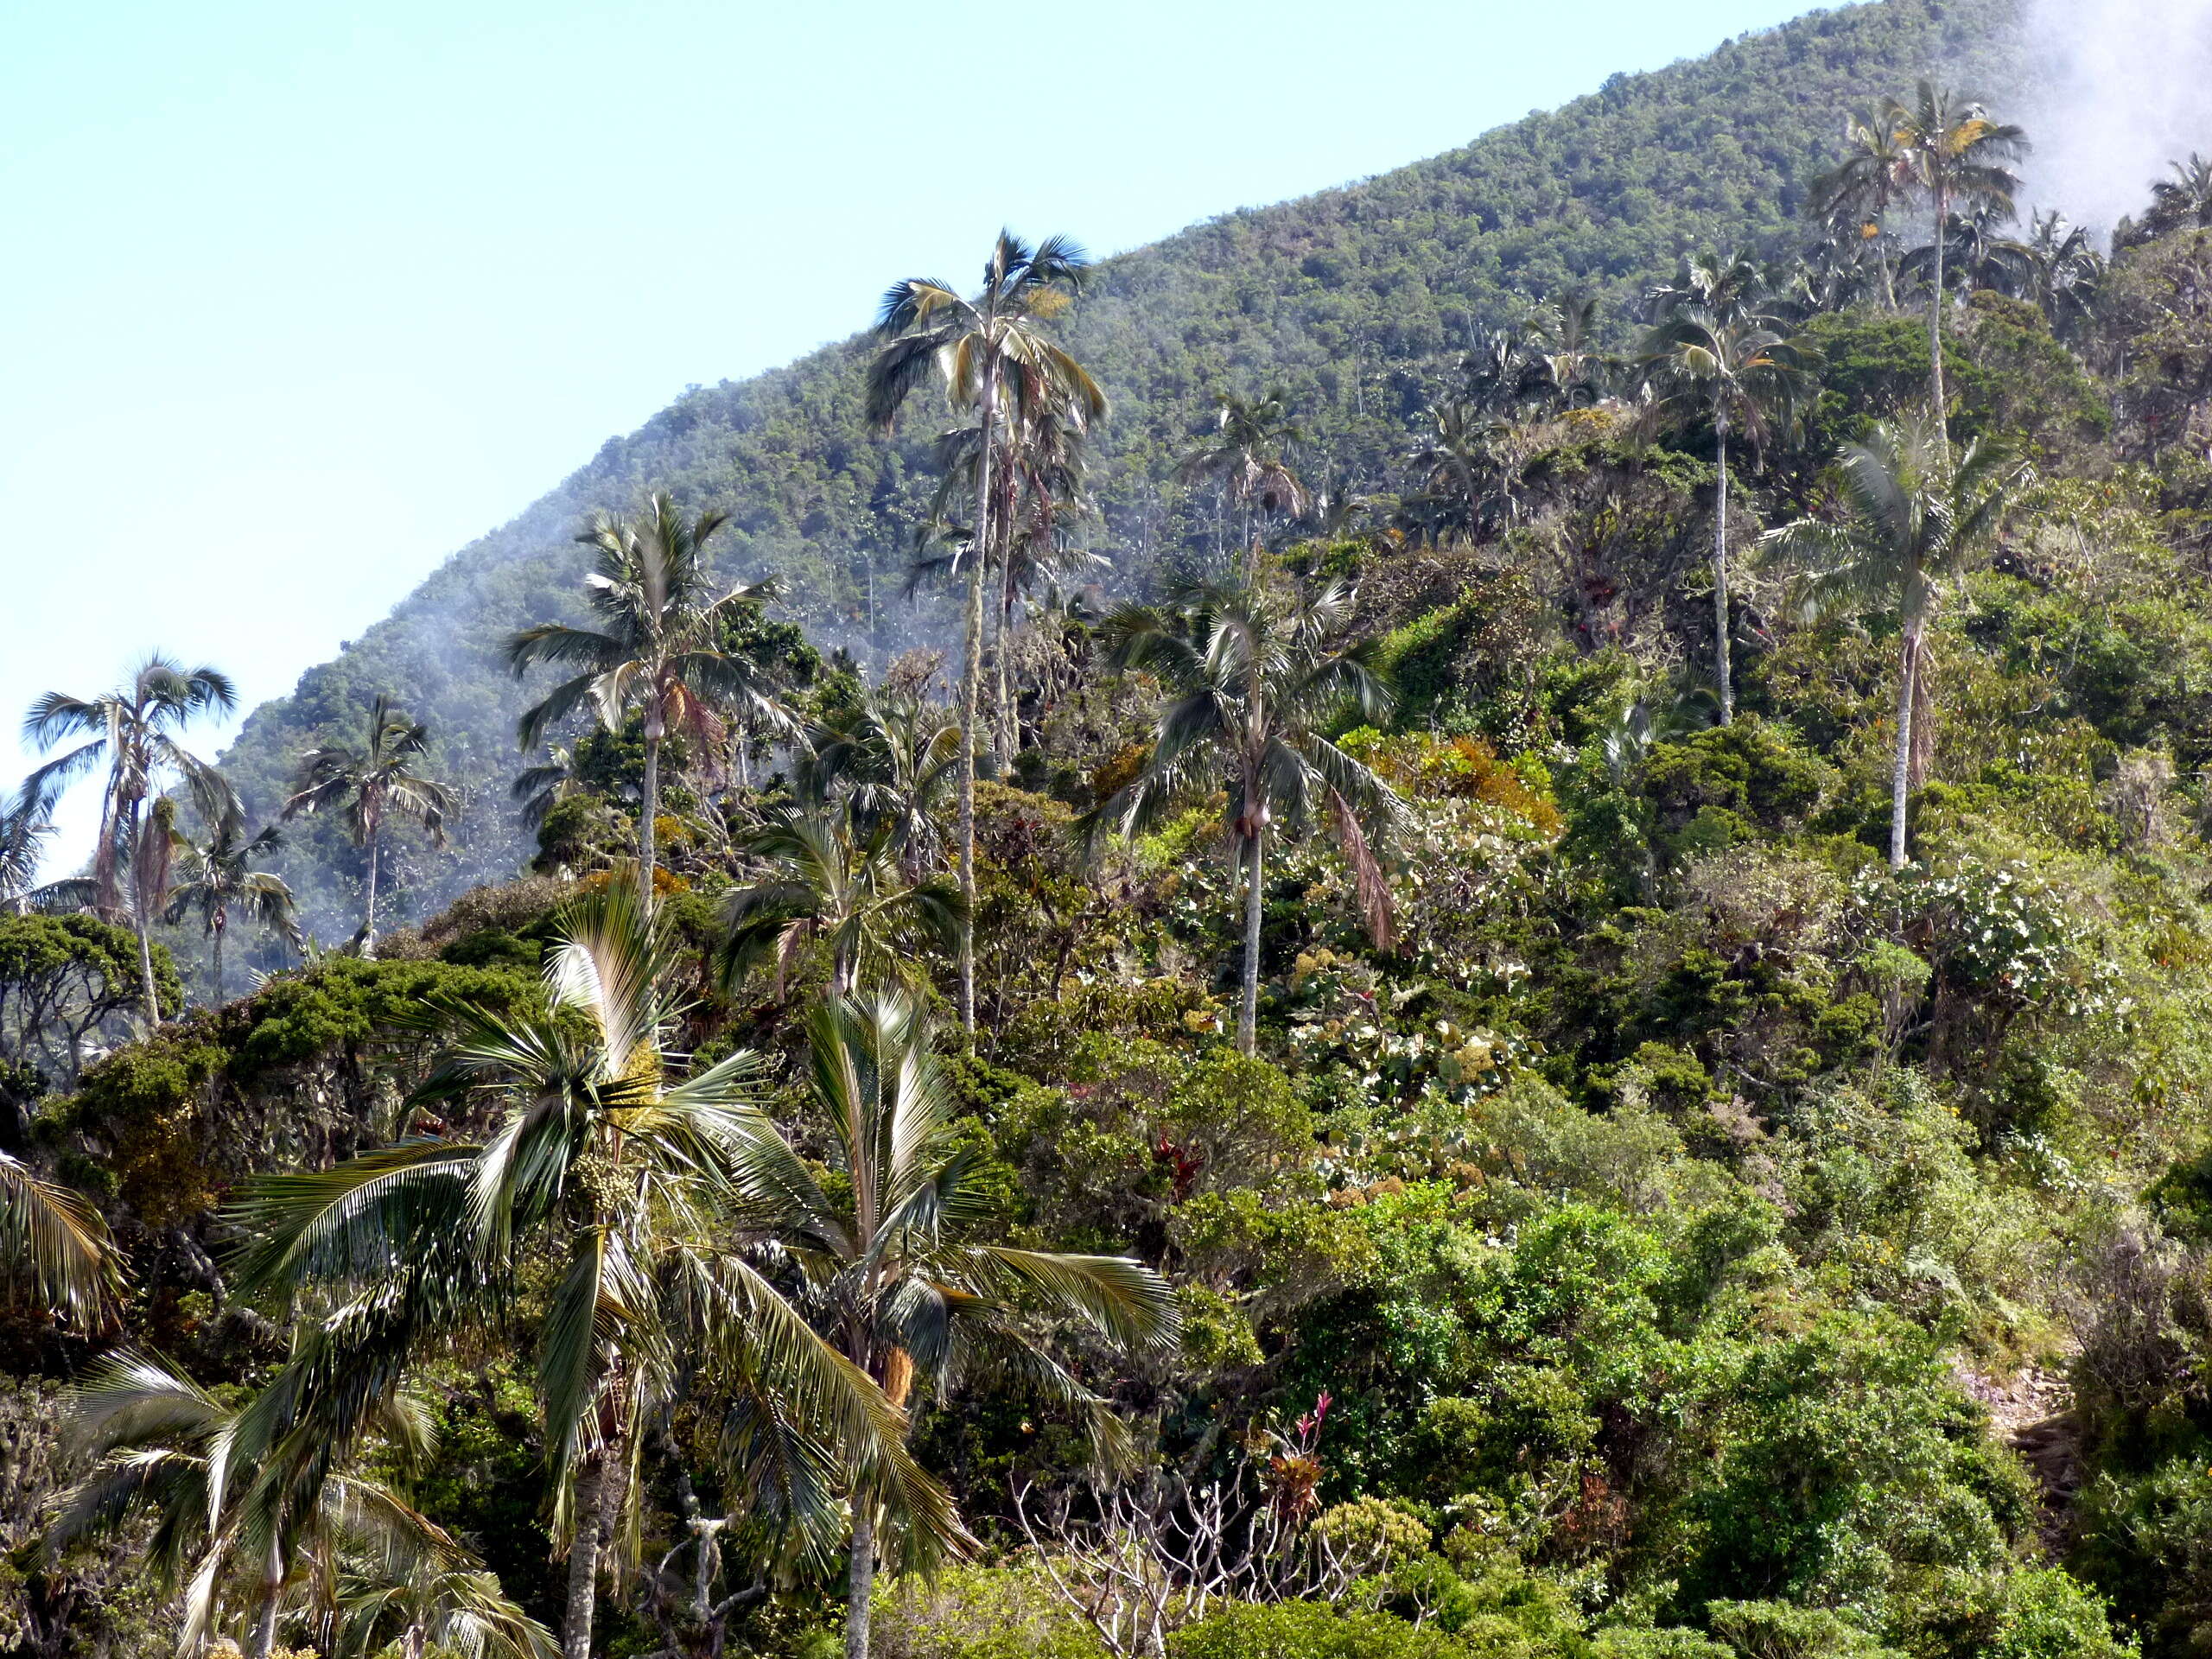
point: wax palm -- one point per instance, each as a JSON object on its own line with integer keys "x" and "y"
{"x": 895, "y": 759}
{"x": 997, "y": 365}
{"x": 1915, "y": 518}
{"x": 606, "y": 1165}
{"x": 1853, "y": 198}
{"x": 1247, "y": 452}
{"x": 1741, "y": 375}
{"x": 825, "y": 871}
{"x": 1949, "y": 155}
{"x": 255, "y": 1530}
{"x": 538, "y": 790}
{"x": 220, "y": 880}
{"x": 903, "y": 1280}
{"x": 1251, "y": 676}
{"x": 379, "y": 781}
{"x": 132, "y": 731}
{"x": 2067, "y": 272}
{"x": 657, "y": 648}
{"x": 54, "y": 1243}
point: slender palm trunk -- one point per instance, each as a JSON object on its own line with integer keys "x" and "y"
{"x": 860, "y": 1583}
{"x": 369, "y": 907}
{"x": 219, "y": 921}
{"x": 649, "y": 810}
{"x": 1901, "y": 766}
{"x": 1721, "y": 669}
{"x": 1935, "y": 319}
{"x": 971, "y": 691}
{"x": 1006, "y": 743}
{"x": 142, "y": 923}
{"x": 273, "y": 1591}
{"x": 599, "y": 1494}
{"x": 1248, "y": 1008}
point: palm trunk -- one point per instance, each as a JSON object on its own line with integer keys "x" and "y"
{"x": 1247, "y": 1010}
{"x": 369, "y": 907}
{"x": 860, "y": 1582}
{"x": 273, "y": 1591}
{"x": 599, "y": 1491}
{"x": 142, "y": 925}
{"x": 1006, "y": 721}
{"x": 1935, "y": 319}
{"x": 971, "y": 691}
{"x": 649, "y": 810}
{"x": 219, "y": 958}
{"x": 1901, "y": 766}
{"x": 1721, "y": 580}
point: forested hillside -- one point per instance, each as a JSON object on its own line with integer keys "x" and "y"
{"x": 1358, "y": 303}
{"x": 1571, "y": 1018}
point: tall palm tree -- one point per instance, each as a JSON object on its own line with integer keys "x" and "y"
{"x": 2183, "y": 199}
{"x": 133, "y": 731}
{"x": 538, "y": 790}
{"x": 1950, "y": 152}
{"x": 25, "y": 824}
{"x": 825, "y": 871}
{"x": 1974, "y": 253}
{"x": 905, "y": 1282}
{"x": 1915, "y": 518}
{"x": 1251, "y": 676}
{"x": 1247, "y": 451}
{"x": 1732, "y": 286}
{"x": 1740, "y": 373}
{"x": 657, "y": 650}
{"x": 1562, "y": 334}
{"x": 374, "y": 782}
{"x": 1853, "y": 198}
{"x": 253, "y": 1530}
{"x": 2067, "y": 272}
{"x": 610, "y": 1165}
{"x": 998, "y": 366}
{"x": 1466, "y": 477}
{"x": 53, "y": 1239}
{"x": 220, "y": 878}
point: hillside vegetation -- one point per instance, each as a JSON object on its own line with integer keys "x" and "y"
{"x": 1357, "y": 302}
{"x": 1592, "y": 1046}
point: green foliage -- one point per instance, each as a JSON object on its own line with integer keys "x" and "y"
{"x": 1305, "y": 1630}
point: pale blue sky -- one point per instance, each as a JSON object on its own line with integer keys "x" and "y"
{"x": 297, "y": 298}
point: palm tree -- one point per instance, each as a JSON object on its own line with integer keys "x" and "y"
{"x": 25, "y": 824}
{"x": 375, "y": 782}
{"x": 1740, "y": 373}
{"x": 1914, "y": 518}
{"x": 1465, "y": 480}
{"x": 905, "y": 1282}
{"x": 826, "y": 871}
{"x": 613, "y": 1167}
{"x": 1732, "y": 287}
{"x": 894, "y": 758}
{"x": 1246, "y": 451}
{"x": 133, "y": 730}
{"x": 2067, "y": 272}
{"x": 657, "y": 650}
{"x": 1563, "y": 333}
{"x": 2183, "y": 200}
{"x": 1853, "y": 198}
{"x": 1975, "y": 254}
{"x": 1252, "y": 675}
{"x": 221, "y": 879}
{"x": 998, "y": 368}
{"x": 52, "y": 1238}
{"x": 275, "y": 1522}
{"x": 1950, "y": 153}
{"x": 538, "y": 790}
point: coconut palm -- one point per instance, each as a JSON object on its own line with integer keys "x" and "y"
{"x": 132, "y": 730}
{"x": 256, "y": 1530}
{"x": 825, "y": 871}
{"x": 1853, "y": 198}
{"x": 1732, "y": 287}
{"x": 1741, "y": 374}
{"x": 54, "y": 1241}
{"x": 1248, "y": 452}
{"x": 1251, "y": 676}
{"x": 25, "y": 824}
{"x": 898, "y": 1249}
{"x": 220, "y": 878}
{"x": 616, "y": 1169}
{"x": 657, "y": 652}
{"x": 998, "y": 368}
{"x": 1915, "y": 518}
{"x": 538, "y": 790}
{"x": 2066, "y": 272}
{"x": 375, "y": 782}
{"x": 1950, "y": 156}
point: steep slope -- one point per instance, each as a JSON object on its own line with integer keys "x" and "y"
{"x": 1355, "y": 300}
